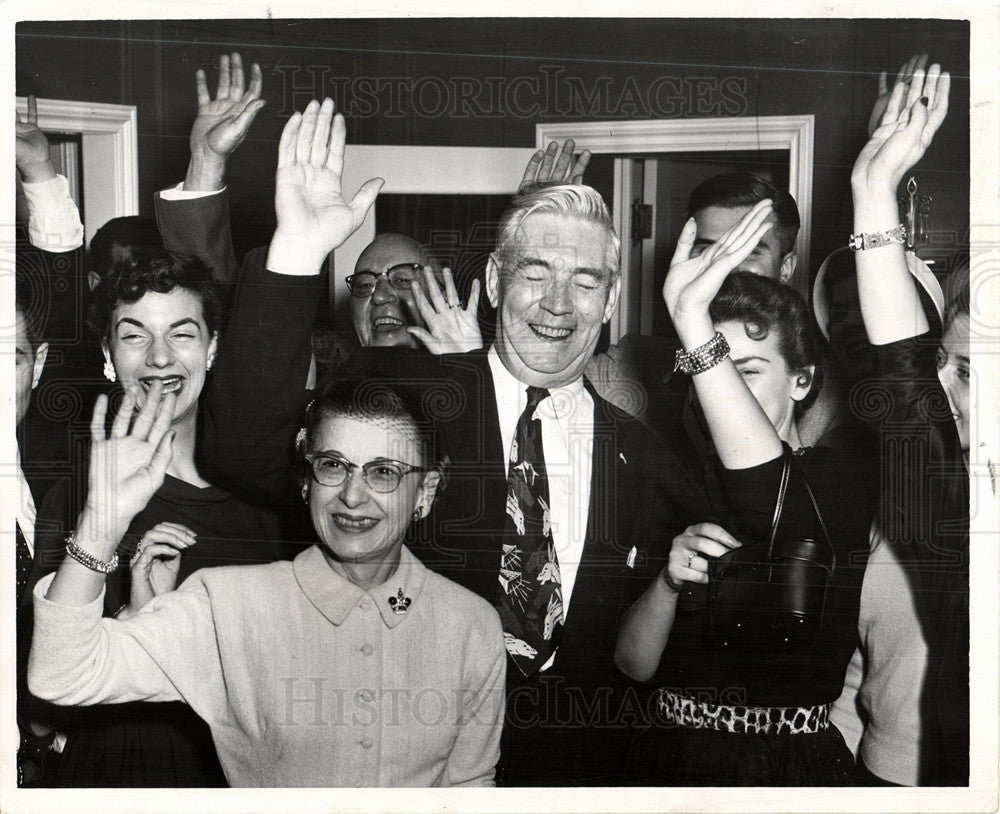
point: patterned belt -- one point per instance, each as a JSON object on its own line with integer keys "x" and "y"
{"x": 680, "y": 710}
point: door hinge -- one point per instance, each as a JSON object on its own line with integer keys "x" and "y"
{"x": 642, "y": 222}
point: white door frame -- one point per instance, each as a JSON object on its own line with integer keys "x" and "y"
{"x": 792, "y": 133}
{"x": 109, "y": 152}
{"x": 426, "y": 170}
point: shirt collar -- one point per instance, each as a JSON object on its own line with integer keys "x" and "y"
{"x": 335, "y": 597}
{"x": 513, "y": 392}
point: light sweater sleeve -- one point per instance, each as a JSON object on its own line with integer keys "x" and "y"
{"x": 474, "y": 757}
{"x": 53, "y": 219}
{"x": 166, "y": 652}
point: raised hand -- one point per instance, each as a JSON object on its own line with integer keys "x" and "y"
{"x": 128, "y": 467}
{"x": 903, "y": 77}
{"x": 693, "y": 282}
{"x": 222, "y": 123}
{"x": 912, "y": 116}
{"x": 546, "y": 166}
{"x": 450, "y": 327}
{"x": 156, "y": 563}
{"x": 313, "y": 215}
{"x": 31, "y": 147}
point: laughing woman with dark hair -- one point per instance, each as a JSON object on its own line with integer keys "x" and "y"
{"x": 157, "y": 317}
{"x": 743, "y": 694}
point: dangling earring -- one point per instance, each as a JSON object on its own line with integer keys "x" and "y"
{"x": 109, "y": 370}
{"x": 305, "y": 492}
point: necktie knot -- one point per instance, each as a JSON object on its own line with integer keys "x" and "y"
{"x": 536, "y": 395}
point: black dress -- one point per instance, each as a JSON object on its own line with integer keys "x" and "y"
{"x": 140, "y": 745}
{"x": 695, "y": 665}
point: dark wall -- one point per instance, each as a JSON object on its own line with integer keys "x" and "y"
{"x": 487, "y": 82}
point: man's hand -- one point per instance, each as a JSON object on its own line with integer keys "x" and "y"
{"x": 547, "y": 167}
{"x": 31, "y": 152}
{"x": 222, "y": 123}
{"x": 450, "y": 327}
{"x": 313, "y": 216}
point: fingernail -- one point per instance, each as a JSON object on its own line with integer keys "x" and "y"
{"x": 924, "y": 101}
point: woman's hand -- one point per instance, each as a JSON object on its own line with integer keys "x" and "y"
{"x": 450, "y": 327}
{"x": 688, "y": 556}
{"x": 912, "y": 116}
{"x": 127, "y": 468}
{"x": 693, "y": 282}
{"x": 313, "y": 216}
{"x": 904, "y": 76}
{"x": 156, "y": 562}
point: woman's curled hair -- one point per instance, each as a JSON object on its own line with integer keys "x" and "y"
{"x": 159, "y": 271}
{"x": 764, "y": 306}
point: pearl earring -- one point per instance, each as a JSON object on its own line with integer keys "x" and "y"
{"x": 109, "y": 371}
{"x": 416, "y": 515}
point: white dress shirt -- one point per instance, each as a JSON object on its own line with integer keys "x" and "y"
{"x": 567, "y": 417}
{"x": 53, "y": 219}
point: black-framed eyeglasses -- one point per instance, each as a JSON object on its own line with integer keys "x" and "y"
{"x": 400, "y": 277}
{"x": 382, "y": 476}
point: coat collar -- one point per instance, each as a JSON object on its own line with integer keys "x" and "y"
{"x": 335, "y": 597}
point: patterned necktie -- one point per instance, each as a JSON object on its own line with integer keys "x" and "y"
{"x": 529, "y": 598}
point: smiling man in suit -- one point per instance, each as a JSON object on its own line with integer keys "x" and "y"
{"x": 554, "y": 497}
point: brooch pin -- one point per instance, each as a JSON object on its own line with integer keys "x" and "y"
{"x": 399, "y": 603}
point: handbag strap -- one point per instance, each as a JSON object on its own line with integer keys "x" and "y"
{"x": 780, "y": 504}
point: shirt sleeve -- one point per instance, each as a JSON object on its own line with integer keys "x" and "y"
{"x": 166, "y": 652}
{"x": 474, "y": 757}
{"x": 178, "y": 193}
{"x": 53, "y": 219}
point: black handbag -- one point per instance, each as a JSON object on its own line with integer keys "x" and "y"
{"x": 773, "y": 602}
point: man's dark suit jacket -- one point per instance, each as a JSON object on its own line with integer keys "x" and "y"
{"x": 570, "y": 724}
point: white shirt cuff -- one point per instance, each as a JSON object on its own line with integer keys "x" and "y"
{"x": 53, "y": 219}
{"x": 178, "y": 193}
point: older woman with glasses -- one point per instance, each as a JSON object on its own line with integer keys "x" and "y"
{"x": 353, "y": 665}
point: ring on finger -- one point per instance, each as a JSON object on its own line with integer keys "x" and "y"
{"x": 691, "y": 556}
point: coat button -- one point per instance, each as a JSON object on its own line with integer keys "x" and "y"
{"x": 367, "y": 649}
{"x": 367, "y": 743}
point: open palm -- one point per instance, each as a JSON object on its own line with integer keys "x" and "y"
{"x": 223, "y": 122}
{"x": 309, "y": 202}
{"x": 128, "y": 467}
{"x": 912, "y": 116}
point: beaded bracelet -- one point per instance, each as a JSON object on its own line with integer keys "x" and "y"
{"x": 702, "y": 358}
{"x": 876, "y": 240}
{"x": 88, "y": 560}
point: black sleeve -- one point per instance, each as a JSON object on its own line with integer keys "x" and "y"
{"x": 199, "y": 226}
{"x": 256, "y": 395}
{"x": 925, "y": 497}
